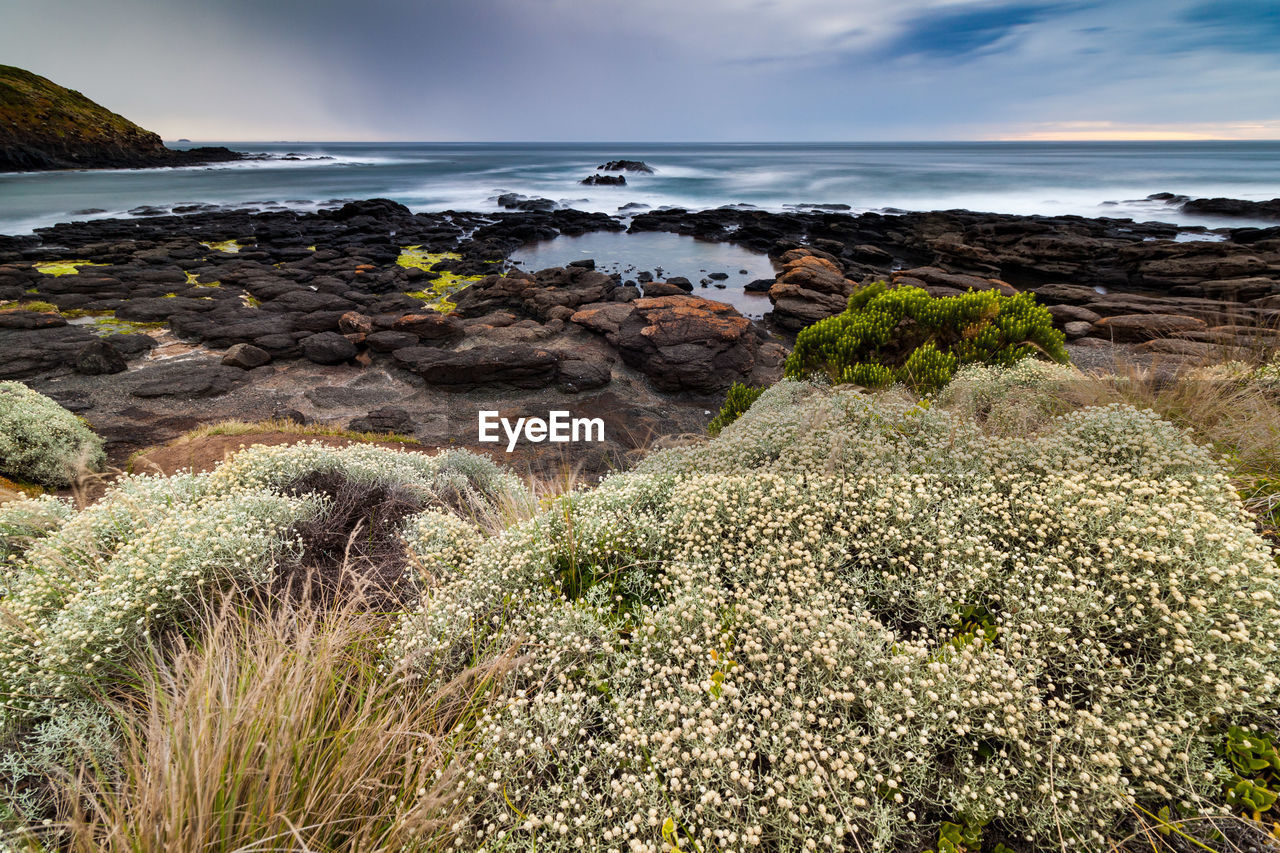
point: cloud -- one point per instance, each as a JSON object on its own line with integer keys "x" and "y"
{"x": 958, "y": 32}
{"x": 656, "y": 69}
{"x": 1248, "y": 25}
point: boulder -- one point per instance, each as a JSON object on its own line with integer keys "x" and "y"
{"x": 430, "y": 327}
{"x": 134, "y": 344}
{"x": 1077, "y": 328}
{"x": 626, "y": 166}
{"x": 98, "y": 358}
{"x": 1063, "y": 314}
{"x": 810, "y": 287}
{"x": 684, "y": 343}
{"x": 328, "y": 348}
{"x": 246, "y": 357}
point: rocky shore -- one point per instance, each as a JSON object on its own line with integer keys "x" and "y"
{"x": 150, "y": 326}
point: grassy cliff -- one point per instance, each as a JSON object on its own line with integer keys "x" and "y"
{"x": 46, "y": 126}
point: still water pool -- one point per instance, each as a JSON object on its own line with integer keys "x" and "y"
{"x": 665, "y": 256}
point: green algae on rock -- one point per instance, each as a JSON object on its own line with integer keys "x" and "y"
{"x": 60, "y": 268}
{"x": 436, "y": 295}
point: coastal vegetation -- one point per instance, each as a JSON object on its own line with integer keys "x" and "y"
{"x": 904, "y": 335}
{"x": 1027, "y": 612}
{"x": 41, "y": 442}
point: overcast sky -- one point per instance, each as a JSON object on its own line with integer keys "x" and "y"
{"x": 648, "y": 70}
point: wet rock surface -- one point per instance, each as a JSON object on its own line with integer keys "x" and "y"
{"x": 251, "y": 314}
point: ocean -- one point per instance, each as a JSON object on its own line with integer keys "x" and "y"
{"x": 1081, "y": 178}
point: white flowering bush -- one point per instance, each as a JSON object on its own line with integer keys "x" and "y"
{"x": 92, "y": 585}
{"x": 853, "y": 618}
{"x": 41, "y": 442}
{"x": 24, "y": 521}
{"x": 440, "y": 544}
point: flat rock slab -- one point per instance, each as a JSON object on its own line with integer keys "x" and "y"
{"x": 188, "y": 380}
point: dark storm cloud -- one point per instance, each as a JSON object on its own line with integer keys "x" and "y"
{"x": 655, "y": 69}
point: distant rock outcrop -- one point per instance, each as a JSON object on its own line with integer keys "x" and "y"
{"x": 44, "y": 126}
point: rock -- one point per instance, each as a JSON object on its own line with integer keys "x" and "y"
{"x": 603, "y": 317}
{"x": 604, "y": 180}
{"x": 188, "y": 380}
{"x": 934, "y": 277}
{"x": 626, "y": 166}
{"x": 1239, "y": 289}
{"x": 430, "y": 327}
{"x": 685, "y": 343}
{"x": 289, "y": 416}
{"x": 1176, "y": 346}
{"x": 30, "y": 320}
{"x": 759, "y": 285}
{"x": 98, "y": 358}
{"x": 810, "y": 287}
{"x": 585, "y": 263}
{"x": 72, "y": 401}
{"x": 512, "y": 365}
{"x": 1063, "y": 314}
{"x": 388, "y": 341}
{"x": 160, "y": 309}
{"x": 576, "y": 374}
{"x": 535, "y": 295}
{"x": 1068, "y": 294}
{"x": 135, "y": 344}
{"x": 663, "y": 288}
{"x": 246, "y": 357}
{"x": 515, "y": 201}
{"x": 374, "y": 208}
{"x": 388, "y": 419}
{"x": 328, "y": 348}
{"x": 1234, "y": 207}
{"x": 1129, "y": 328}
{"x": 680, "y": 282}
{"x": 1077, "y": 328}
{"x": 816, "y": 274}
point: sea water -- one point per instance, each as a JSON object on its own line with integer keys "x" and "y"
{"x": 1050, "y": 178}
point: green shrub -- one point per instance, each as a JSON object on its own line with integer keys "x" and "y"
{"x": 737, "y": 401}
{"x": 42, "y": 442}
{"x": 905, "y": 335}
{"x": 856, "y": 622}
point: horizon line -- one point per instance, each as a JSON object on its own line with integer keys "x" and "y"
{"x": 1000, "y": 141}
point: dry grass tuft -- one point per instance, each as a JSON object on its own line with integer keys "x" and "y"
{"x": 294, "y": 428}
{"x": 274, "y": 731}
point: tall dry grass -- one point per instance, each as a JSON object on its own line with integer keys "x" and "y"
{"x": 274, "y": 729}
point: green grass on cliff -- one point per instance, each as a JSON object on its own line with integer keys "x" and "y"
{"x": 39, "y": 108}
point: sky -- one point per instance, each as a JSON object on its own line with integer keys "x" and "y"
{"x": 663, "y": 70}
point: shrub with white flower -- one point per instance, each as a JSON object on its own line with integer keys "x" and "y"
{"x": 89, "y": 587}
{"x": 852, "y": 618}
{"x": 41, "y": 442}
